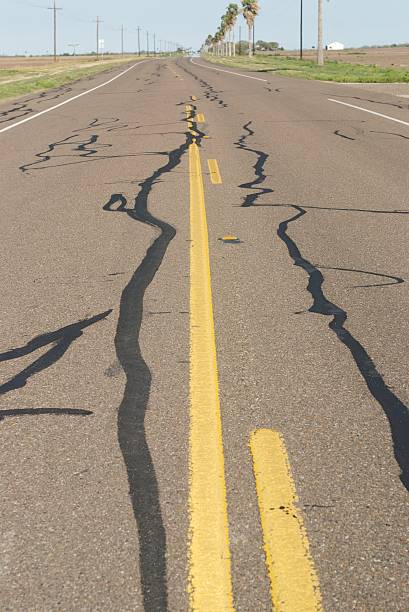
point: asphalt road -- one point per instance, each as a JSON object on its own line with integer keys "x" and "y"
{"x": 107, "y": 353}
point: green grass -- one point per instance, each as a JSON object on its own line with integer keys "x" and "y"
{"x": 42, "y": 79}
{"x": 341, "y": 72}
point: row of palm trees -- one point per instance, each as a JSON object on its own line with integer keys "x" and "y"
{"x": 223, "y": 42}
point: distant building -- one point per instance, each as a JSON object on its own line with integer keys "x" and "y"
{"x": 336, "y": 46}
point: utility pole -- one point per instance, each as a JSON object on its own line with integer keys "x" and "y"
{"x": 55, "y": 9}
{"x": 139, "y": 40}
{"x": 154, "y": 44}
{"x": 239, "y": 40}
{"x": 147, "y": 43}
{"x": 320, "y": 55}
{"x": 98, "y": 21}
{"x": 122, "y": 40}
{"x": 301, "y": 29}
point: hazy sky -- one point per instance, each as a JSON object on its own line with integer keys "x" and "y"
{"x": 25, "y": 26}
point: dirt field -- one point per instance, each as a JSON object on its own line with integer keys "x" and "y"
{"x": 17, "y": 63}
{"x": 386, "y": 57}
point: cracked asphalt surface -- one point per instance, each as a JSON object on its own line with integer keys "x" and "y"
{"x": 311, "y": 318}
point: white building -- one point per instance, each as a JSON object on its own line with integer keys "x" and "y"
{"x": 336, "y": 46}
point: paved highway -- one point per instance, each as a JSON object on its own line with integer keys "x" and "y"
{"x": 204, "y": 347}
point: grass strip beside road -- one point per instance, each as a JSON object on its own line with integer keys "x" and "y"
{"x": 51, "y": 76}
{"x": 340, "y": 72}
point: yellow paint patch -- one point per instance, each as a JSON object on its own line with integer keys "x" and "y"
{"x": 193, "y": 98}
{"x": 200, "y": 118}
{"x": 294, "y": 583}
{"x": 215, "y": 175}
{"x": 230, "y": 239}
{"x": 210, "y": 587}
{"x": 188, "y": 108}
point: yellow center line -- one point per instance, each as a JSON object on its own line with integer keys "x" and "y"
{"x": 294, "y": 582}
{"x": 174, "y": 72}
{"x": 210, "y": 586}
{"x": 215, "y": 175}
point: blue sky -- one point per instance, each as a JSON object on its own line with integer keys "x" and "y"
{"x": 25, "y": 26}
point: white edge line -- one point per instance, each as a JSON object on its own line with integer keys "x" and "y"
{"x": 84, "y": 93}
{"x": 366, "y": 110}
{"x": 245, "y": 76}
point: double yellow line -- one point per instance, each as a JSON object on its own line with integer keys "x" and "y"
{"x": 294, "y": 584}
{"x": 209, "y": 572}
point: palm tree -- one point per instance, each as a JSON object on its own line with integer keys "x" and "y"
{"x": 250, "y": 11}
{"x": 223, "y": 31}
{"x": 227, "y": 23}
{"x": 232, "y": 14}
{"x": 218, "y": 38}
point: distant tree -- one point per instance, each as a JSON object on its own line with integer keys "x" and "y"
{"x": 242, "y": 47}
{"x": 266, "y": 46}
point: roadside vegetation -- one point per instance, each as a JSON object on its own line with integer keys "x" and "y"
{"x": 222, "y": 48}
{"x": 341, "y": 72}
{"x": 24, "y": 78}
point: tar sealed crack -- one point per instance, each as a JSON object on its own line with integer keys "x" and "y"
{"x": 143, "y": 485}
{"x": 394, "y": 409}
{"x": 210, "y": 93}
{"x": 58, "y": 341}
{"x": 262, "y": 158}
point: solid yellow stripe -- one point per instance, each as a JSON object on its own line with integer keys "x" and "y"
{"x": 210, "y": 585}
{"x": 294, "y": 583}
{"x": 200, "y": 118}
{"x": 215, "y": 175}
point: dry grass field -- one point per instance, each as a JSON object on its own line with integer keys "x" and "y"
{"x": 377, "y": 65}
{"x": 20, "y": 63}
{"x": 22, "y": 75}
{"x": 387, "y": 57}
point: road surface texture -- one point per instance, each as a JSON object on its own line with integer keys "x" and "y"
{"x": 114, "y": 465}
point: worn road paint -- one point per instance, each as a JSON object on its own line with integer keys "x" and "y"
{"x": 294, "y": 583}
{"x": 174, "y": 72}
{"x": 215, "y": 175}
{"x": 200, "y": 118}
{"x": 210, "y": 585}
{"x": 366, "y": 110}
{"x": 84, "y": 93}
{"x": 194, "y": 98}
